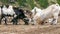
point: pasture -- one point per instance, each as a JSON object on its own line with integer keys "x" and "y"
{"x": 29, "y": 17}
{"x": 30, "y": 29}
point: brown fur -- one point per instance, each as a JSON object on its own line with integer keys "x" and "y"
{"x": 38, "y": 20}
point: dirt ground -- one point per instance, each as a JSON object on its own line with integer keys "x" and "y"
{"x": 30, "y": 29}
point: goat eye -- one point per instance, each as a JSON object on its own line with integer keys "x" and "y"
{"x": 45, "y": 22}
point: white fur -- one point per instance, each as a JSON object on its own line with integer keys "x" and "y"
{"x": 8, "y": 10}
{"x": 34, "y": 11}
{"x": 51, "y": 10}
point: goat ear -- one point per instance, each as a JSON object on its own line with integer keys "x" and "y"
{"x": 7, "y": 6}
